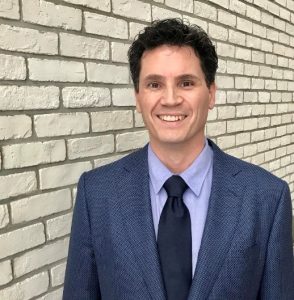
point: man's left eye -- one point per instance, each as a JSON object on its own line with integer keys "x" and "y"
{"x": 187, "y": 83}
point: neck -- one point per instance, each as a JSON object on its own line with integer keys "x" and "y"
{"x": 177, "y": 158}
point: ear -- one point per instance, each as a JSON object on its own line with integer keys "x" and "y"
{"x": 212, "y": 92}
{"x": 138, "y": 106}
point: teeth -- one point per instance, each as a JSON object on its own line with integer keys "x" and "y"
{"x": 170, "y": 118}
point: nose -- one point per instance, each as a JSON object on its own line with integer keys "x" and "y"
{"x": 171, "y": 97}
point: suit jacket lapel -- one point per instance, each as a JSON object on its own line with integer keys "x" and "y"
{"x": 134, "y": 195}
{"x": 222, "y": 218}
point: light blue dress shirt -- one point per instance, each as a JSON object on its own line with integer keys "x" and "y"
{"x": 198, "y": 177}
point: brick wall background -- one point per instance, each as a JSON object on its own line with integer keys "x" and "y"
{"x": 67, "y": 106}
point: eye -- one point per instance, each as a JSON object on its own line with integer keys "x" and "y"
{"x": 187, "y": 83}
{"x": 153, "y": 85}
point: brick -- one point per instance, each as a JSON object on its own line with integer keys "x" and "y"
{"x": 253, "y": 42}
{"x": 250, "y": 97}
{"x": 79, "y": 96}
{"x": 226, "y": 18}
{"x": 222, "y": 3}
{"x": 205, "y": 11}
{"x": 107, "y": 73}
{"x": 32, "y": 154}
{"x": 264, "y": 97}
{"x": 236, "y": 152}
{"x": 40, "y": 257}
{"x": 265, "y": 71}
{"x": 111, "y": 120}
{"x": 251, "y": 70}
{"x": 28, "y": 97}
{"x": 133, "y": 9}
{"x": 238, "y": 7}
{"x": 42, "y": 205}
{"x": 90, "y": 146}
{"x": 242, "y": 83}
{"x": 235, "y": 126}
{"x": 212, "y": 115}
{"x": 62, "y": 175}
{"x": 270, "y": 84}
{"x": 139, "y": 122}
{"x": 217, "y": 32}
{"x": 100, "y": 5}
{"x": 225, "y": 50}
{"x": 106, "y": 26}
{"x": 235, "y": 97}
{"x": 250, "y": 150}
{"x": 4, "y": 218}
{"x": 15, "y": 127}
{"x": 221, "y": 96}
{"x": 57, "y": 274}
{"x": 271, "y": 59}
{"x": 226, "y": 112}
{"x": 225, "y": 82}
{"x": 242, "y": 138}
{"x": 119, "y": 52}
{"x": 216, "y": 128}
{"x": 61, "y": 124}
{"x": 9, "y": 9}
{"x": 184, "y": 5}
{"x": 83, "y": 47}
{"x": 17, "y": 184}
{"x": 48, "y": 14}
{"x": 237, "y": 37}
{"x": 159, "y": 13}
{"x": 197, "y": 21}
{"x": 257, "y": 84}
{"x": 279, "y": 24}
{"x": 5, "y": 272}
{"x": 28, "y": 40}
{"x": 26, "y": 289}
{"x": 244, "y": 25}
{"x": 134, "y": 29}
{"x": 225, "y": 142}
{"x": 253, "y": 13}
{"x": 131, "y": 140}
{"x": 242, "y": 53}
{"x": 106, "y": 160}
{"x": 56, "y": 70}
{"x": 222, "y": 66}
{"x": 12, "y": 67}
{"x": 123, "y": 97}
{"x": 55, "y": 295}
{"x": 234, "y": 67}
{"x": 59, "y": 226}
{"x": 267, "y": 18}
{"x": 259, "y": 30}
{"x": 30, "y": 236}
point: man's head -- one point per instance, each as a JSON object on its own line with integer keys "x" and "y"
{"x": 173, "y": 32}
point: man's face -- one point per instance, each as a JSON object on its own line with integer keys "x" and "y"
{"x": 173, "y": 96}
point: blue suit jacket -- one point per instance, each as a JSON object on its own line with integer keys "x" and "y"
{"x": 246, "y": 250}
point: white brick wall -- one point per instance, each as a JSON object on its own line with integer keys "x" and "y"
{"x": 67, "y": 105}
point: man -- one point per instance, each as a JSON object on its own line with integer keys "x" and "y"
{"x": 179, "y": 219}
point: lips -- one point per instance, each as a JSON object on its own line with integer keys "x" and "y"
{"x": 171, "y": 118}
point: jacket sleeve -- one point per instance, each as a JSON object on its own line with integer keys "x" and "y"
{"x": 278, "y": 277}
{"x": 81, "y": 278}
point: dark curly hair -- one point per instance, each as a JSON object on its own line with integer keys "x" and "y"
{"x": 174, "y": 32}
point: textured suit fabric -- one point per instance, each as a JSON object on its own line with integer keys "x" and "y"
{"x": 246, "y": 249}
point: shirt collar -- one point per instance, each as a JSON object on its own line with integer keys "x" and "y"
{"x": 194, "y": 175}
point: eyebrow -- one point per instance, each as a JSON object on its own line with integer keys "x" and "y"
{"x": 180, "y": 77}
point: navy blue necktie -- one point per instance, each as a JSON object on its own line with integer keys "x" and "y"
{"x": 175, "y": 241}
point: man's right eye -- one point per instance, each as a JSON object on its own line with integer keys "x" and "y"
{"x": 153, "y": 85}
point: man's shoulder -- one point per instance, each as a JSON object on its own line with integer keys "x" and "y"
{"x": 253, "y": 174}
{"x": 115, "y": 168}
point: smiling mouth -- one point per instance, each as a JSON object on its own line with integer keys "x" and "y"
{"x": 171, "y": 118}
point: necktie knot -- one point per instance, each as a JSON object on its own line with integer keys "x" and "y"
{"x": 175, "y": 186}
